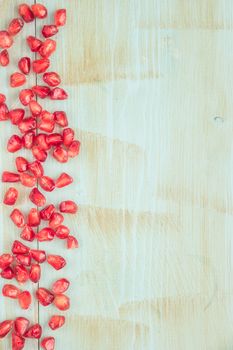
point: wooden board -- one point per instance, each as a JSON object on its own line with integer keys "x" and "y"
{"x": 150, "y": 85}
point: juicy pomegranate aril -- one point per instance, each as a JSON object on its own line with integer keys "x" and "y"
{"x": 34, "y": 43}
{"x": 62, "y": 232}
{"x": 56, "y": 322}
{"x": 5, "y": 328}
{"x": 26, "y": 96}
{"x": 47, "y": 48}
{"x": 17, "y": 341}
{"x": 21, "y": 325}
{"x": 8, "y": 273}
{"x": 6, "y": 40}
{"x": 46, "y": 213}
{"x": 68, "y": 136}
{"x": 41, "y": 91}
{"x": 23, "y": 259}
{"x": 60, "y": 17}
{"x": 11, "y": 196}
{"x": 34, "y": 332}
{"x": 58, "y": 94}
{"x": 4, "y": 58}
{"x": 25, "y": 300}
{"x": 21, "y": 164}
{"x": 69, "y": 207}
{"x": 36, "y": 168}
{"x": 56, "y": 261}
{"x": 10, "y": 177}
{"x": 6, "y": 260}
{"x": 17, "y": 218}
{"x": 38, "y": 255}
{"x": 52, "y": 79}
{"x": 48, "y": 343}
{"x": 39, "y": 11}
{"x": 15, "y": 26}
{"x": 27, "y": 180}
{"x": 16, "y": 115}
{"x": 21, "y": 274}
{"x": 26, "y": 13}
{"x": 47, "y": 183}
{"x": 3, "y": 112}
{"x": 61, "y": 118}
{"x": 28, "y": 139}
{"x": 46, "y": 234}
{"x": 14, "y": 143}
{"x": 60, "y": 154}
{"x": 27, "y": 124}
{"x": 17, "y": 79}
{"x": 37, "y": 197}
{"x": 34, "y": 217}
{"x": 74, "y": 149}
{"x": 72, "y": 242}
{"x": 28, "y": 234}
{"x": 44, "y": 296}
{"x": 49, "y": 30}
{"x": 60, "y": 286}
{"x": 10, "y": 291}
{"x": 41, "y": 65}
{"x": 63, "y": 180}
{"x": 2, "y": 98}
{"x": 35, "y": 273}
{"x": 39, "y": 153}
{"x": 19, "y": 248}
{"x": 35, "y": 108}
{"x": 62, "y": 302}
{"x": 56, "y": 219}
{"x": 24, "y": 65}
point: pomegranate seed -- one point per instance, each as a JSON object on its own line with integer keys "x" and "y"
{"x": 34, "y": 332}
{"x": 60, "y": 17}
{"x": 15, "y": 26}
{"x": 6, "y": 260}
{"x": 41, "y": 65}
{"x": 38, "y": 255}
{"x": 26, "y": 13}
{"x": 4, "y": 58}
{"x": 39, "y": 153}
{"x": 56, "y": 322}
{"x": 7, "y": 273}
{"x": 6, "y": 40}
{"x": 48, "y": 343}
{"x": 41, "y": 91}
{"x": 21, "y": 325}
{"x": 46, "y": 234}
{"x": 26, "y": 96}
{"x": 63, "y": 180}
{"x": 68, "y": 137}
{"x": 2, "y": 98}
{"x": 19, "y": 248}
{"x": 14, "y": 143}
{"x": 46, "y": 124}
{"x": 58, "y": 94}
{"x": 35, "y": 108}
{"x": 10, "y": 291}
{"x": 10, "y": 177}
{"x": 37, "y": 197}
{"x": 35, "y": 273}
{"x": 39, "y": 11}
{"x": 17, "y": 342}
{"x": 49, "y": 30}
{"x": 5, "y": 328}
{"x": 17, "y": 79}
{"x": 21, "y": 274}
{"x": 3, "y": 112}
{"x": 27, "y": 124}
{"x": 34, "y": 217}
{"x": 34, "y": 43}
{"x": 28, "y": 139}
{"x": 54, "y": 139}
{"x": 47, "y": 183}
{"x": 60, "y": 154}
{"x": 56, "y": 220}
{"x": 21, "y": 164}
{"x": 28, "y": 234}
{"x": 46, "y": 213}
{"x": 25, "y": 300}
{"x": 11, "y": 196}
{"x": 72, "y": 242}
{"x": 42, "y": 142}
{"x": 68, "y": 207}
{"x": 62, "y": 232}
{"x": 74, "y": 149}
{"x": 60, "y": 286}
{"x": 52, "y": 79}
{"x": 36, "y": 168}
{"x": 62, "y": 302}
{"x": 47, "y": 48}
{"x": 61, "y": 118}
{"x": 16, "y": 115}
{"x": 24, "y": 65}
{"x": 23, "y": 259}
{"x": 56, "y": 261}
{"x": 27, "y": 180}
{"x": 17, "y": 218}
{"x": 44, "y": 296}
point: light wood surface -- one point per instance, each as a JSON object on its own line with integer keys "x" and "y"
{"x": 150, "y": 85}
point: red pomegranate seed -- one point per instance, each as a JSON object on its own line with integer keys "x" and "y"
{"x": 60, "y": 154}
{"x": 46, "y": 213}
{"x": 61, "y": 118}
{"x": 7, "y": 273}
{"x": 17, "y": 218}
{"x": 28, "y": 139}
{"x": 38, "y": 255}
{"x": 68, "y": 137}
{"x": 4, "y": 58}
{"x": 14, "y": 143}
{"x": 41, "y": 65}
{"x": 27, "y": 124}
{"x": 44, "y": 296}
{"x": 3, "y": 112}
{"x": 39, "y": 153}
{"x": 49, "y": 30}
{"x": 34, "y": 43}
{"x": 26, "y": 13}
{"x": 62, "y": 302}
{"x": 41, "y": 91}
{"x": 58, "y": 94}
{"x": 37, "y": 197}
{"x": 27, "y": 180}
{"x": 26, "y": 96}
{"x": 34, "y": 217}
{"x": 10, "y": 291}
{"x": 34, "y": 332}
{"x": 54, "y": 139}
{"x": 46, "y": 123}
{"x": 60, "y": 17}
{"x": 21, "y": 325}
{"x": 25, "y": 300}
{"x": 47, "y": 183}
{"x": 52, "y": 79}
{"x": 48, "y": 343}
{"x": 11, "y": 196}
{"x": 2, "y": 98}
{"x": 35, "y": 273}
{"x": 60, "y": 286}
{"x": 63, "y": 180}
{"x": 15, "y": 26}
{"x": 39, "y": 11}
{"x": 72, "y": 242}
{"x": 68, "y": 207}
{"x": 46, "y": 234}
{"x": 16, "y": 115}
{"x": 28, "y": 234}
{"x": 19, "y": 248}
{"x": 21, "y": 164}
{"x": 74, "y": 149}
{"x": 62, "y": 232}
{"x": 21, "y": 274}
{"x": 6, "y": 40}
{"x": 41, "y": 141}
{"x": 23, "y": 259}
{"x": 6, "y": 260}
{"x": 17, "y": 79}
{"x": 35, "y": 108}
{"x": 56, "y": 322}
{"x": 47, "y": 48}
{"x": 56, "y": 261}
{"x": 24, "y": 65}
{"x": 36, "y": 168}
{"x": 17, "y": 342}
{"x": 5, "y": 328}
{"x": 56, "y": 220}
{"x": 10, "y": 177}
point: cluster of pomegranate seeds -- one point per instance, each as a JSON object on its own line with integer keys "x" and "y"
{"x": 44, "y": 134}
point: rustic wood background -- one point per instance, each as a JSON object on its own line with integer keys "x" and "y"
{"x": 150, "y": 86}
